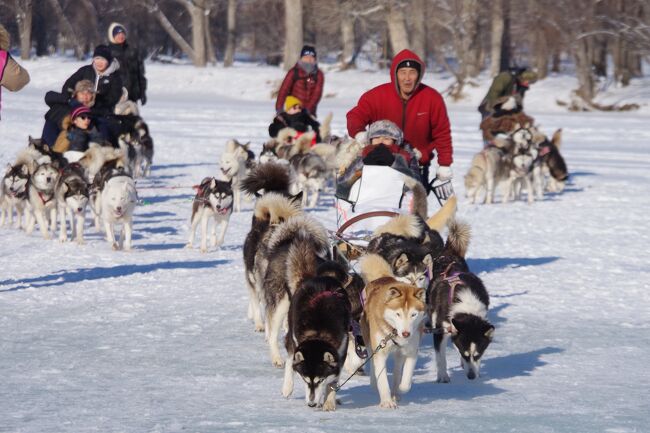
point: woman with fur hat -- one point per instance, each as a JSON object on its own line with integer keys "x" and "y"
{"x": 131, "y": 64}
{"x": 296, "y": 117}
{"x": 13, "y": 77}
{"x": 60, "y": 105}
{"x": 304, "y": 81}
{"x": 107, "y": 83}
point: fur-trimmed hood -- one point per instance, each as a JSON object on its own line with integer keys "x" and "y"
{"x": 111, "y": 39}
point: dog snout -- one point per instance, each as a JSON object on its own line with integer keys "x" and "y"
{"x": 311, "y": 404}
{"x": 406, "y": 334}
{"x": 118, "y": 208}
{"x": 79, "y": 209}
{"x": 48, "y": 179}
{"x": 471, "y": 375}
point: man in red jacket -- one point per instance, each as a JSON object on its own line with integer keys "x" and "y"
{"x": 417, "y": 108}
{"x": 304, "y": 81}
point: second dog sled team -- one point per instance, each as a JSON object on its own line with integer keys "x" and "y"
{"x": 409, "y": 279}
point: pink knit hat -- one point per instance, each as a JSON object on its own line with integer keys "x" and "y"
{"x": 82, "y": 109}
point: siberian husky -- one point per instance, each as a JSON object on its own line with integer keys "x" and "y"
{"x": 143, "y": 145}
{"x": 213, "y": 199}
{"x": 117, "y": 202}
{"x": 550, "y": 165}
{"x": 317, "y": 339}
{"x": 300, "y": 234}
{"x": 458, "y": 302}
{"x": 14, "y": 194}
{"x": 270, "y": 182}
{"x": 41, "y": 197}
{"x": 392, "y": 322}
{"x": 233, "y": 168}
{"x": 72, "y": 198}
{"x": 487, "y": 169}
{"x": 311, "y": 174}
{"x": 522, "y": 158}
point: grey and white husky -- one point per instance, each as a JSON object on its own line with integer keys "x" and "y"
{"x": 317, "y": 340}
{"x": 311, "y": 174}
{"x": 13, "y": 194}
{"x": 72, "y": 196}
{"x": 214, "y": 199}
{"x": 41, "y": 197}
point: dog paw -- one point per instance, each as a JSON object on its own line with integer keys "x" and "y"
{"x": 189, "y": 246}
{"x": 389, "y": 404}
{"x": 115, "y": 246}
{"x": 278, "y": 362}
{"x": 443, "y": 378}
{"x": 329, "y": 406}
{"x": 259, "y": 328}
{"x": 287, "y": 391}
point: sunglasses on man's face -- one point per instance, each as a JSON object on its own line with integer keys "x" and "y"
{"x": 83, "y": 117}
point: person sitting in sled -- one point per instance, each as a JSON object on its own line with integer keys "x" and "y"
{"x": 81, "y": 131}
{"x": 296, "y": 117}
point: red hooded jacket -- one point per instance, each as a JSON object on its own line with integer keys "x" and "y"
{"x": 308, "y": 88}
{"x": 423, "y": 117}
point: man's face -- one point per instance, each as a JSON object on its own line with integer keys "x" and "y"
{"x": 407, "y": 78}
{"x": 84, "y": 97}
{"x": 308, "y": 59}
{"x": 120, "y": 38}
{"x": 100, "y": 63}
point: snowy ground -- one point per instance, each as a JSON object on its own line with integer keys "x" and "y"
{"x": 156, "y": 340}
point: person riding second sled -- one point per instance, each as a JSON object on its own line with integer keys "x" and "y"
{"x": 417, "y": 108}
{"x": 514, "y": 82}
{"x": 296, "y": 117}
{"x": 304, "y": 81}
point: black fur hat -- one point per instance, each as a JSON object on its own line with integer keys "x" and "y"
{"x": 103, "y": 51}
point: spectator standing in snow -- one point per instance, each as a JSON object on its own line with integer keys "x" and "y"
{"x": 416, "y": 108}
{"x": 131, "y": 64}
{"x": 304, "y": 81}
{"x": 13, "y": 77}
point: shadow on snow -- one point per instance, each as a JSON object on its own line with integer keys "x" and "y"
{"x": 492, "y": 264}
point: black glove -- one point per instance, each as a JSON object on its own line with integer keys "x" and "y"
{"x": 143, "y": 99}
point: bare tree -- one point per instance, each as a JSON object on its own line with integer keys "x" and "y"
{"x": 418, "y": 14}
{"x": 396, "y": 21}
{"x": 66, "y": 28}
{"x": 229, "y": 56}
{"x": 293, "y": 32}
{"x": 347, "y": 34}
{"x": 23, "y": 11}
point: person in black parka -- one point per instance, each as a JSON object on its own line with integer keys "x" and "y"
{"x": 296, "y": 117}
{"x": 60, "y": 106}
{"x": 131, "y": 64}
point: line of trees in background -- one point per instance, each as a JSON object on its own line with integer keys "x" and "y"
{"x": 599, "y": 38}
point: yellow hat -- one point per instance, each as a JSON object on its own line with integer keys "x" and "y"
{"x": 291, "y": 101}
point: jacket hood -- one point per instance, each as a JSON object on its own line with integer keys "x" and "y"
{"x": 114, "y": 66}
{"x": 111, "y": 39}
{"x": 399, "y": 58}
{"x": 5, "y": 39}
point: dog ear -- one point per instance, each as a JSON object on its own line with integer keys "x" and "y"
{"x": 298, "y": 358}
{"x": 393, "y": 293}
{"x": 401, "y": 261}
{"x": 421, "y": 294}
{"x": 489, "y": 333}
{"x": 213, "y": 183}
{"x": 296, "y": 198}
{"x": 329, "y": 358}
{"x": 9, "y": 167}
{"x": 25, "y": 169}
{"x": 428, "y": 262}
{"x": 457, "y": 324}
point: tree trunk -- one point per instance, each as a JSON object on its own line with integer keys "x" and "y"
{"x": 172, "y": 32}
{"x": 505, "y": 40}
{"x": 598, "y": 48}
{"x": 347, "y": 35}
{"x": 209, "y": 46}
{"x": 397, "y": 28}
{"x": 197, "y": 12}
{"x": 293, "y": 32}
{"x": 66, "y": 28}
{"x": 470, "y": 38}
{"x": 583, "y": 70}
{"x": 496, "y": 40}
{"x": 229, "y": 56}
{"x": 24, "y": 21}
{"x": 541, "y": 53}
{"x": 419, "y": 33}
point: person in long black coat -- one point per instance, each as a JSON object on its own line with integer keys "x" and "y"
{"x": 131, "y": 64}
{"x": 60, "y": 105}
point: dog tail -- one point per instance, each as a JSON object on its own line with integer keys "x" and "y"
{"x": 270, "y": 177}
{"x": 276, "y": 208}
{"x": 458, "y": 238}
{"x": 325, "y": 129}
{"x": 373, "y": 267}
{"x": 302, "y": 144}
{"x": 440, "y": 219}
{"x": 420, "y": 207}
{"x": 474, "y": 176}
{"x": 405, "y": 225}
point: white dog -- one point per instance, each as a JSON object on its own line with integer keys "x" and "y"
{"x": 233, "y": 168}
{"x": 118, "y": 200}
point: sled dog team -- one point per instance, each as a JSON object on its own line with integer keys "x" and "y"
{"x": 410, "y": 281}
{"x": 42, "y": 186}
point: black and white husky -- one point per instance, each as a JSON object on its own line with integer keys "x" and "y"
{"x": 41, "y": 197}
{"x": 458, "y": 302}
{"x": 72, "y": 196}
{"x": 13, "y": 194}
{"x": 214, "y": 199}
{"x": 317, "y": 341}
